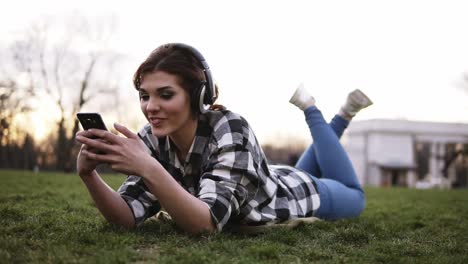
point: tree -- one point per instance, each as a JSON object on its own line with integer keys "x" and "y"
{"x": 69, "y": 65}
{"x": 13, "y": 100}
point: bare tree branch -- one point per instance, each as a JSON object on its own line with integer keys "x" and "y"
{"x": 69, "y": 62}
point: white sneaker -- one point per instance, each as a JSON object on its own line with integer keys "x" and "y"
{"x": 301, "y": 98}
{"x": 355, "y": 102}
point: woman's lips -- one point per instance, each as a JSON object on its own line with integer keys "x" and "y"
{"x": 155, "y": 121}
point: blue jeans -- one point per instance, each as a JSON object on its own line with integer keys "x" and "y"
{"x": 341, "y": 195}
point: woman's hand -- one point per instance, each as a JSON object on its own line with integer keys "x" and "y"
{"x": 126, "y": 155}
{"x": 84, "y": 165}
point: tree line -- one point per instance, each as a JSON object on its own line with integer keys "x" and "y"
{"x": 66, "y": 63}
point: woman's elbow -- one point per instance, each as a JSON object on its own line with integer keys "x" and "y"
{"x": 202, "y": 228}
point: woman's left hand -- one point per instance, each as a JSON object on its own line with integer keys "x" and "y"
{"x": 126, "y": 155}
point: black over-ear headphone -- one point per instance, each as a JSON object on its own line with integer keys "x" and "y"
{"x": 205, "y": 95}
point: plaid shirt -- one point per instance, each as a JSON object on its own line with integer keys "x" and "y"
{"x": 227, "y": 169}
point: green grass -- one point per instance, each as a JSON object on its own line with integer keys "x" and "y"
{"x": 50, "y": 218}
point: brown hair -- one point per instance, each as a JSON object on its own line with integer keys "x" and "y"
{"x": 180, "y": 62}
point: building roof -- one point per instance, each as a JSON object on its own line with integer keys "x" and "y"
{"x": 407, "y": 126}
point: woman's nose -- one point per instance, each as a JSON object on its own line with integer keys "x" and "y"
{"x": 153, "y": 105}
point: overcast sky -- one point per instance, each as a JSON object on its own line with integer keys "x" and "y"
{"x": 408, "y": 56}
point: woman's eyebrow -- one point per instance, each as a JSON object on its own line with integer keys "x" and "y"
{"x": 164, "y": 88}
{"x": 158, "y": 89}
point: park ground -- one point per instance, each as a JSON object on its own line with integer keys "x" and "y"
{"x": 50, "y": 218}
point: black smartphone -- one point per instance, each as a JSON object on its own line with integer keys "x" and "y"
{"x": 91, "y": 120}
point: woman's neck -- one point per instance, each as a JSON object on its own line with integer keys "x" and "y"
{"x": 183, "y": 138}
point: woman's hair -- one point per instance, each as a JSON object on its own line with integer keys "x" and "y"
{"x": 180, "y": 62}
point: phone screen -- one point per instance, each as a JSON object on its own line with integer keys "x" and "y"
{"x": 91, "y": 120}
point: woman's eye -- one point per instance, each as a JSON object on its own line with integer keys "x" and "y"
{"x": 167, "y": 96}
{"x": 144, "y": 97}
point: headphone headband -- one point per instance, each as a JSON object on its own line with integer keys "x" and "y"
{"x": 207, "y": 95}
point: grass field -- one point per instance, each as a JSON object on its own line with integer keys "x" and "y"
{"x": 49, "y": 218}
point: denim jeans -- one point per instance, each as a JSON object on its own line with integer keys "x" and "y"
{"x": 341, "y": 195}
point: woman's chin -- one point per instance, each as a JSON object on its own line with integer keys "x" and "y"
{"x": 158, "y": 132}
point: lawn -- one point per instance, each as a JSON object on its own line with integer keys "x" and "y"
{"x": 50, "y": 218}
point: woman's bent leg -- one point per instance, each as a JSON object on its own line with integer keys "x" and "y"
{"x": 308, "y": 162}
{"x": 341, "y": 194}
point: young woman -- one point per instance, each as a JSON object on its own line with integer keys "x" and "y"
{"x": 205, "y": 167}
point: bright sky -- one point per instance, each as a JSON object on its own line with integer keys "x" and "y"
{"x": 408, "y": 56}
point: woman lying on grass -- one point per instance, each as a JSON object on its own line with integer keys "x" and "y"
{"x": 205, "y": 166}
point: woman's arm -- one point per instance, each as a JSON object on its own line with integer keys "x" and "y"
{"x": 189, "y": 212}
{"x": 109, "y": 202}
{"x": 111, "y": 205}
{"x": 128, "y": 156}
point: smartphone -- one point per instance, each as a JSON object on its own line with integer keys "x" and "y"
{"x": 91, "y": 120}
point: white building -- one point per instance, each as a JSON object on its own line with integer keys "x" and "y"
{"x": 408, "y": 153}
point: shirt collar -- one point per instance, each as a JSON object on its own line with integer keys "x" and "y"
{"x": 198, "y": 146}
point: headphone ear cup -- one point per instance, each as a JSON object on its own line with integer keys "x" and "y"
{"x": 202, "y": 97}
{"x": 198, "y": 99}
{"x": 208, "y": 95}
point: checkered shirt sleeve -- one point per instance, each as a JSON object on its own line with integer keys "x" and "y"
{"x": 134, "y": 191}
{"x": 142, "y": 202}
{"x": 229, "y": 173}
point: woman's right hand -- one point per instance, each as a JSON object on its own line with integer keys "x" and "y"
{"x": 84, "y": 165}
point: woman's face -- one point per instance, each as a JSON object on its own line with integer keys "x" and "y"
{"x": 165, "y": 104}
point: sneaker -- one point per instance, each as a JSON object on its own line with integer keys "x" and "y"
{"x": 355, "y": 102}
{"x": 301, "y": 98}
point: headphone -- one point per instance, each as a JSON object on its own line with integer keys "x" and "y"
{"x": 205, "y": 94}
